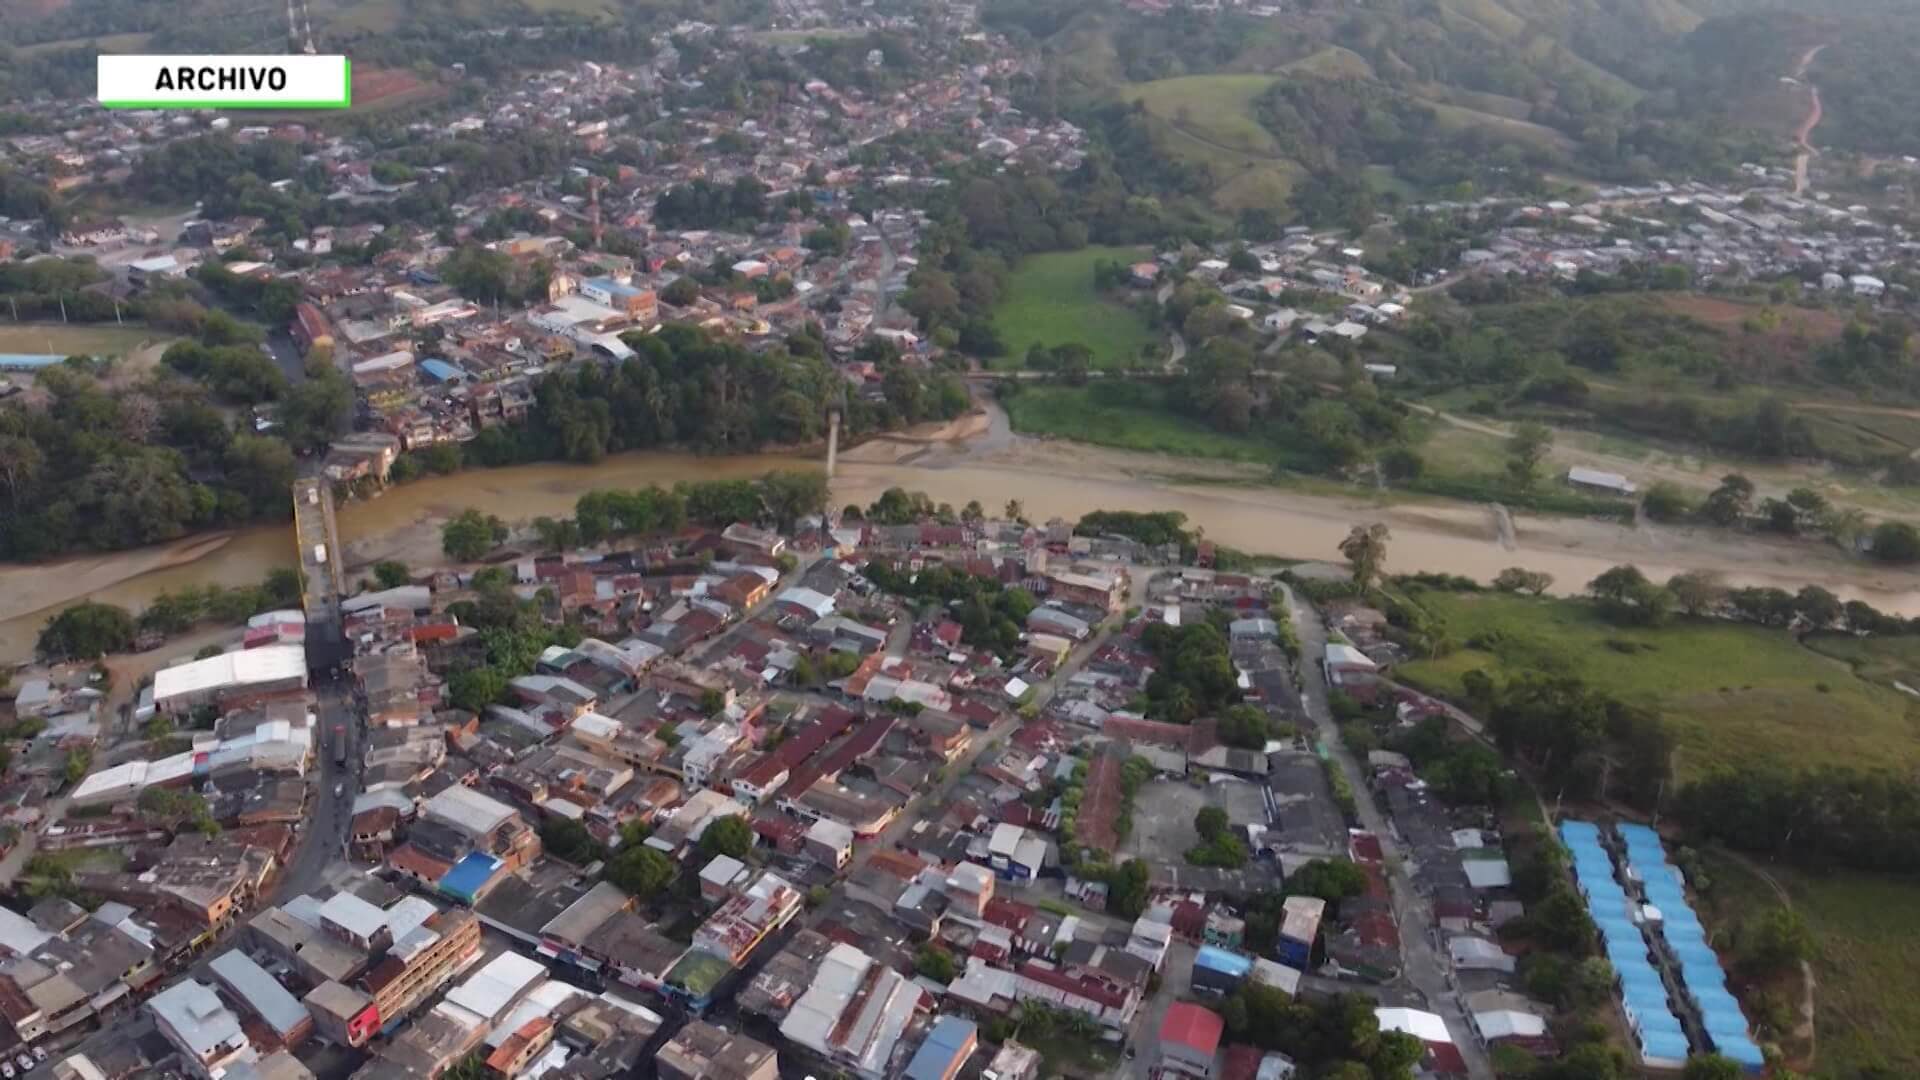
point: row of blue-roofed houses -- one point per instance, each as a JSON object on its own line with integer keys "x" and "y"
{"x": 1672, "y": 986}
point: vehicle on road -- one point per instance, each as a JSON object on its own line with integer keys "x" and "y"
{"x": 339, "y": 744}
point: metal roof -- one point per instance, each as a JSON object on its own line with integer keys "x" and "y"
{"x": 261, "y": 993}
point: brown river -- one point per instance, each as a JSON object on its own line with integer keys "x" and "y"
{"x": 988, "y": 464}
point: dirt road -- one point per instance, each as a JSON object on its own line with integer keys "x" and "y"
{"x": 1807, "y": 125}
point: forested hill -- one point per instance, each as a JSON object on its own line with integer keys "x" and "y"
{"x": 1478, "y": 95}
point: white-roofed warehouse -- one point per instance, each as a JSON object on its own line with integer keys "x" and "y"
{"x": 262, "y": 670}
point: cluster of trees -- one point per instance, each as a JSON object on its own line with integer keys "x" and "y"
{"x": 493, "y": 277}
{"x": 779, "y": 498}
{"x": 1336, "y": 1038}
{"x": 178, "y": 808}
{"x": 104, "y": 468}
{"x": 1219, "y": 845}
{"x": 86, "y": 631}
{"x": 1867, "y": 819}
{"x": 175, "y": 612}
{"x": 990, "y": 615}
{"x": 703, "y": 204}
{"x": 513, "y": 632}
{"x": 1465, "y": 772}
{"x": 1152, "y": 528}
{"x": 1332, "y": 880}
{"x": 1193, "y": 671}
{"x": 687, "y": 388}
{"x": 1578, "y": 739}
{"x": 1626, "y": 595}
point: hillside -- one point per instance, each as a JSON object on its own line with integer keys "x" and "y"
{"x": 1499, "y": 93}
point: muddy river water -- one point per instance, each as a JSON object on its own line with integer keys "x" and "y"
{"x": 1050, "y": 479}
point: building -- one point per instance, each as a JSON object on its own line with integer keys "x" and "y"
{"x": 421, "y": 962}
{"x": 829, "y": 843}
{"x": 703, "y": 1051}
{"x": 948, "y": 1045}
{"x": 1299, "y": 927}
{"x": 250, "y": 985}
{"x": 207, "y": 1034}
{"x": 250, "y": 672}
{"x": 1189, "y": 1040}
{"x": 341, "y": 1014}
{"x": 1597, "y": 480}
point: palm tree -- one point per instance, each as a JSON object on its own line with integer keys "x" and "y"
{"x": 1366, "y": 548}
{"x": 1016, "y": 511}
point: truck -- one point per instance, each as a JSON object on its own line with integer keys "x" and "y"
{"x": 339, "y": 744}
{"x": 320, "y": 554}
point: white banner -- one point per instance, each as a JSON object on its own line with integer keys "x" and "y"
{"x": 225, "y": 82}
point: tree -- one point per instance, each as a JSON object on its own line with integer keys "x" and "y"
{"x": 1731, "y": 502}
{"x": 640, "y": 870}
{"x": 1697, "y": 592}
{"x": 791, "y": 494}
{"x": 1366, "y": 549}
{"x": 1625, "y": 595}
{"x": 1711, "y": 1067}
{"x": 1526, "y": 450}
{"x": 1518, "y": 579}
{"x": 1244, "y": 726}
{"x": 729, "y": 835}
{"x": 569, "y": 840}
{"x": 1896, "y": 542}
{"x": 1015, "y": 511}
{"x": 391, "y": 574}
{"x": 1664, "y": 501}
{"x": 1819, "y": 607}
{"x": 1332, "y": 880}
{"x": 471, "y": 534}
{"x": 1211, "y": 823}
{"x": 1774, "y": 942}
{"x": 476, "y": 688}
{"x": 87, "y": 631}
{"x": 1400, "y": 464}
{"x": 935, "y": 963}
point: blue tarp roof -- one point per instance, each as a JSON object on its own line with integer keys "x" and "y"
{"x": 440, "y": 370}
{"x": 947, "y": 1044}
{"x": 1223, "y": 961}
{"x": 28, "y": 361}
{"x": 1743, "y": 1051}
{"x": 1664, "y": 1045}
{"x": 463, "y": 882}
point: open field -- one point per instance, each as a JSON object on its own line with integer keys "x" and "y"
{"x": 1732, "y": 695}
{"x": 109, "y": 43}
{"x": 1884, "y": 660}
{"x": 1125, "y": 415}
{"x": 75, "y": 339}
{"x": 1214, "y": 108}
{"x": 1866, "y": 961}
{"x": 1050, "y": 299}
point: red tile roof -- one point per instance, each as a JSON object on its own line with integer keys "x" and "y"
{"x": 1191, "y": 1026}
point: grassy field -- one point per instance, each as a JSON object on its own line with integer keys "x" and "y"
{"x": 108, "y": 43}
{"x": 1127, "y": 415}
{"x": 1050, "y": 299}
{"x": 1732, "y": 695}
{"x": 1214, "y": 108}
{"x": 1866, "y": 964}
{"x": 73, "y": 339}
{"x": 1884, "y": 660}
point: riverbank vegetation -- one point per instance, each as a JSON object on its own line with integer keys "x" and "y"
{"x": 1727, "y": 695}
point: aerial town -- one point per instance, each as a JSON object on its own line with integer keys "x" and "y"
{"x": 828, "y": 794}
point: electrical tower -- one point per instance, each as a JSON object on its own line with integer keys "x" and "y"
{"x": 594, "y": 184}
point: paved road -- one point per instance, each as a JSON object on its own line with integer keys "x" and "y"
{"x": 1421, "y": 963}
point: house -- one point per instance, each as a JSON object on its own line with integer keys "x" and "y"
{"x": 1189, "y": 1040}
{"x": 829, "y": 843}
{"x": 1867, "y": 285}
{"x": 1597, "y": 480}
{"x": 949, "y": 1043}
{"x": 1143, "y": 274}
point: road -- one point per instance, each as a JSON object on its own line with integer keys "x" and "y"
{"x": 1421, "y": 963}
{"x": 1802, "y": 134}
